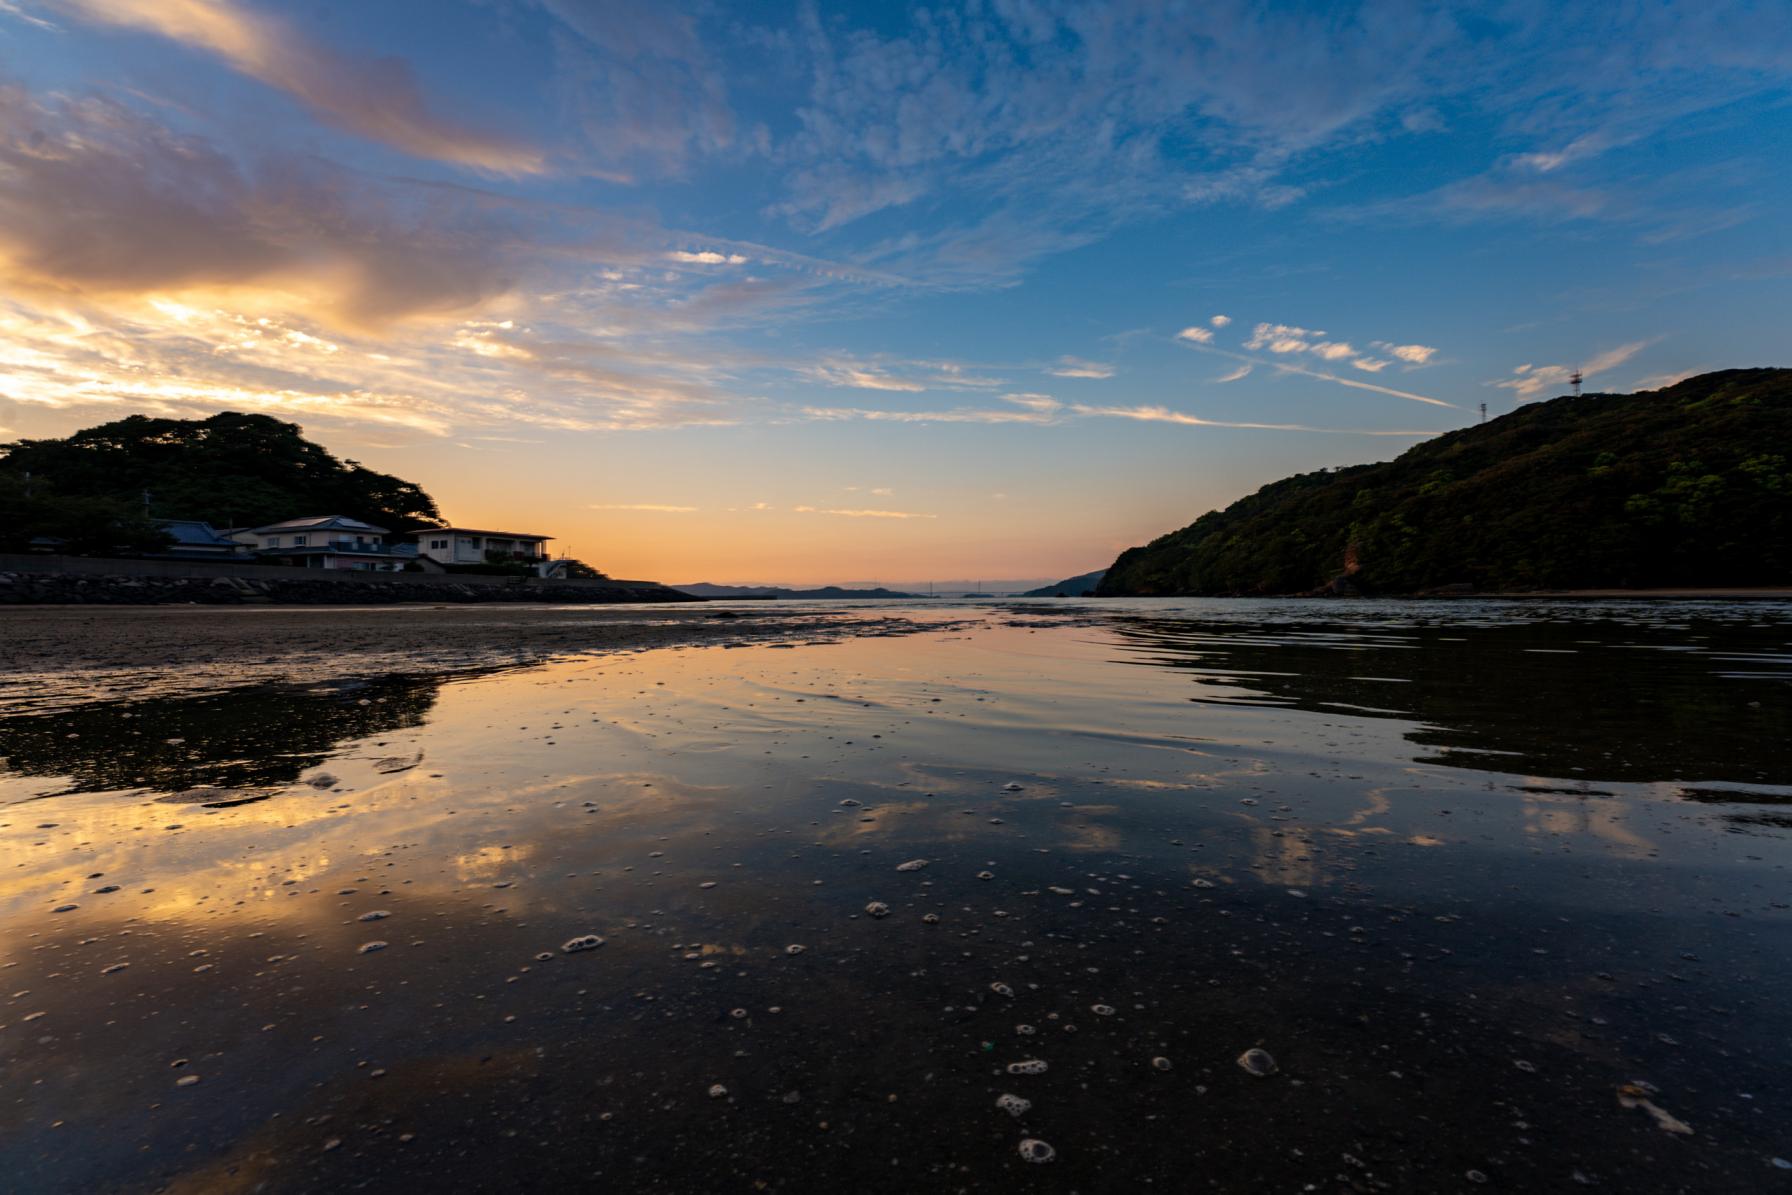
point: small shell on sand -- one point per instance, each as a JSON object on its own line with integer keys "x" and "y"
{"x": 370, "y": 947}
{"x": 930, "y": 918}
{"x": 1257, "y": 1062}
{"x": 1035, "y": 1150}
{"x": 1102, "y": 1010}
{"x": 912, "y": 865}
{"x": 1030, "y": 1066}
{"x": 1002, "y": 989}
{"x": 794, "y": 948}
{"x": 582, "y": 942}
{"x": 717, "y": 1091}
{"x": 1013, "y": 1105}
{"x": 1160, "y": 1063}
{"x": 877, "y": 908}
{"x": 375, "y": 915}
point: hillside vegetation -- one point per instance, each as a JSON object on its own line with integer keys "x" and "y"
{"x": 1686, "y": 486}
{"x": 232, "y": 469}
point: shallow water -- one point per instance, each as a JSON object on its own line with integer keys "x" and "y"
{"x": 1464, "y": 871}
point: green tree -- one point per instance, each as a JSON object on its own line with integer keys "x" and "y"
{"x": 232, "y": 470}
{"x": 1664, "y": 488}
{"x": 85, "y": 526}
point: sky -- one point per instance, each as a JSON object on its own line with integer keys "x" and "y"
{"x": 813, "y": 293}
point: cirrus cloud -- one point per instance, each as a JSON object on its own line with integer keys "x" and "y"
{"x": 652, "y": 507}
{"x": 1076, "y": 367}
{"x": 376, "y": 99}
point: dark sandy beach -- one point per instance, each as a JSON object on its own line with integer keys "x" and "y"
{"x": 58, "y": 656}
{"x": 1215, "y": 896}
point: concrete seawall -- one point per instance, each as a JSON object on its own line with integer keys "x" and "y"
{"x": 80, "y": 580}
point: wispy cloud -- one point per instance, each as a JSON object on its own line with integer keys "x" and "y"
{"x": 10, "y": 8}
{"x": 1046, "y": 411}
{"x": 860, "y": 377}
{"x": 1197, "y": 334}
{"x": 1076, "y": 367}
{"x": 1243, "y": 371}
{"x": 1286, "y": 339}
{"x": 379, "y": 99}
{"x": 707, "y": 257}
{"x": 653, "y": 507}
{"x": 1529, "y": 381}
{"x": 1412, "y": 354}
{"x": 890, "y": 374}
{"x": 955, "y": 415}
{"x": 1160, "y": 414}
{"x": 863, "y": 514}
{"x": 1662, "y": 381}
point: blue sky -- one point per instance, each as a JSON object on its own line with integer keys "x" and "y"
{"x": 827, "y": 292}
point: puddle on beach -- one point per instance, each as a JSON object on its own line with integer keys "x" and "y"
{"x": 1501, "y": 893}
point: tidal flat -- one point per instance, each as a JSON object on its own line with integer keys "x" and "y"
{"x": 1067, "y": 896}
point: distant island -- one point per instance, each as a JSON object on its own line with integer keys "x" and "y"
{"x": 1689, "y": 486}
{"x": 704, "y": 589}
{"x": 1082, "y": 585}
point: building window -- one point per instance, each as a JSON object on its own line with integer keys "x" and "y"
{"x": 273, "y": 541}
{"x": 437, "y": 545}
{"x": 298, "y": 541}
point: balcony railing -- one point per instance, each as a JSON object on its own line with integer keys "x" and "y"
{"x": 346, "y": 547}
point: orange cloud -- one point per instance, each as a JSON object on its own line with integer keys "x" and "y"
{"x": 376, "y": 99}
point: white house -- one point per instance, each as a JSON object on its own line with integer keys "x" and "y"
{"x": 469, "y": 545}
{"x": 327, "y": 541}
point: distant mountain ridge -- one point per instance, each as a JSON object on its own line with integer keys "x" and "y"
{"x": 774, "y": 592}
{"x": 1690, "y": 485}
{"x": 1080, "y": 585}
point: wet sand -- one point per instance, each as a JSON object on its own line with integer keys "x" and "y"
{"x": 57, "y": 656}
{"x": 1504, "y": 895}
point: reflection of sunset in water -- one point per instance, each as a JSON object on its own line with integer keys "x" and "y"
{"x": 395, "y": 897}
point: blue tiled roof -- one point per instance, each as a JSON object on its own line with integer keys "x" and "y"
{"x": 194, "y": 533}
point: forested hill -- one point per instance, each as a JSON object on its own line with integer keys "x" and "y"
{"x": 232, "y": 469}
{"x": 1690, "y": 485}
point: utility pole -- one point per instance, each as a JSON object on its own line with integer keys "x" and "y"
{"x": 1483, "y": 412}
{"x": 1574, "y": 380}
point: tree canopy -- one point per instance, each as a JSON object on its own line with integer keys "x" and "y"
{"x": 1687, "y": 486}
{"x": 232, "y": 470}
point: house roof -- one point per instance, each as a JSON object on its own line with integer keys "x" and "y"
{"x": 320, "y": 523}
{"x": 195, "y": 533}
{"x": 425, "y": 531}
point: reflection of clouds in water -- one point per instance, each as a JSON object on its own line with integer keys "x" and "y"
{"x": 1282, "y": 858}
{"x": 490, "y": 862}
{"x": 1088, "y": 835}
{"x": 1600, "y": 818}
{"x": 869, "y": 821}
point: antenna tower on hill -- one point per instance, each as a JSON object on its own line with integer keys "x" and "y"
{"x": 1574, "y": 380}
